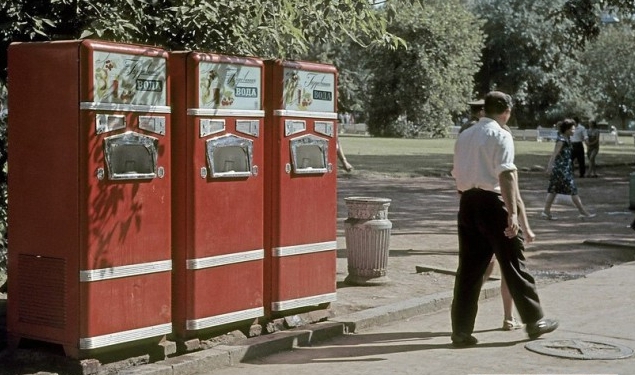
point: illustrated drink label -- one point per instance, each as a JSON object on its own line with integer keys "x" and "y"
{"x": 229, "y": 86}
{"x": 308, "y": 91}
{"x": 129, "y": 79}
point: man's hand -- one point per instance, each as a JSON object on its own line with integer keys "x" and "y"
{"x": 512, "y": 226}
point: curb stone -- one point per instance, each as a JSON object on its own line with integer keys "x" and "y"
{"x": 228, "y": 355}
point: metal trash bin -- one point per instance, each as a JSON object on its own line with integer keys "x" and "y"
{"x": 367, "y": 231}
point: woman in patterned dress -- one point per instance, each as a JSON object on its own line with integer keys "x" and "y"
{"x": 560, "y": 170}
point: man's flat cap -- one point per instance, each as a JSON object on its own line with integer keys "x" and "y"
{"x": 476, "y": 103}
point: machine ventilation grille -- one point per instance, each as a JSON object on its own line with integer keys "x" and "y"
{"x": 42, "y": 291}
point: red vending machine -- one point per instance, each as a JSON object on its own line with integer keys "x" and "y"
{"x": 90, "y": 263}
{"x": 217, "y": 191}
{"x": 300, "y": 186}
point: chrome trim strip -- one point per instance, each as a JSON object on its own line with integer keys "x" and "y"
{"x": 225, "y": 259}
{"x": 125, "y": 271}
{"x": 304, "y": 249}
{"x": 302, "y": 302}
{"x": 125, "y": 107}
{"x": 225, "y": 112}
{"x": 289, "y": 113}
{"x": 218, "y": 320}
{"x": 124, "y": 336}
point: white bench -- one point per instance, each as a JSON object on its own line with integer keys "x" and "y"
{"x": 360, "y": 128}
{"x": 530, "y": 135}
{"x": 546, "y": 134}
{"x": 453, "y": 131}
{"x": 525, "y": 134}
{"x": 609, "y": 138}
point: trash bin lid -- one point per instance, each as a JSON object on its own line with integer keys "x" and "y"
{"x": 368, "y": 199}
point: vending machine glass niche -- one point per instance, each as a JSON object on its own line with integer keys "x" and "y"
{"x": 131, "y": 156}
{"x": 309, "y": 154}
{"x": 230, "y": 156}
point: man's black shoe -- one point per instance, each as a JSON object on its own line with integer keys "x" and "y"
{"x": 539, "y": 328}
{"x": 463, "y": 340}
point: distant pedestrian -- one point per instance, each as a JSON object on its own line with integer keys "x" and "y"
{"x": 593, "y": 147}
{"x": 477, "y": 110}
{"x": 490, "y": 222}
{"x": 560, "y": 172}
{"x": 578, "y": 139}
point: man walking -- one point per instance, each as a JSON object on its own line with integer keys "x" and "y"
{"x": 489, "y": 223}
{"x": 578, "y": 140}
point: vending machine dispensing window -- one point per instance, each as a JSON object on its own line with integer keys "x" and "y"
{"x": 230, "y": 156}
{"x": 131, "y": 156}
{"x": 309, "y": 154}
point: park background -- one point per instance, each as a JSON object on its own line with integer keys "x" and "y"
{"x": 407, "y": 68}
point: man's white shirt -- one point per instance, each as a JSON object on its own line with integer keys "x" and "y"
{"x": 481, "y": 154}
{"x": 579, "y": 134}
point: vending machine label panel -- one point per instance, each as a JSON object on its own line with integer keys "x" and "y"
{"x": 324, "y": 128}
{"x": 107, "y": 123}
{"x": 309, "y": 91}
{"x": 210, "y": 126}
{"x": 129, "y": 79}
{"x": 293, "y": 127}
{"x": 250, "y": 127}
{"x": 229, "y": 86}
{"x": 154, "y": 124}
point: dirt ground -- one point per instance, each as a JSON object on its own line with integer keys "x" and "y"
{"x": 423, "y": 213}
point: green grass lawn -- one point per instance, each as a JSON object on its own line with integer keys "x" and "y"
{"x": 433, "y": 157}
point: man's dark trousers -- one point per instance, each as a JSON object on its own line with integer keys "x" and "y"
{"x": 577, "y": 153}
{"x": 482, "y": 220}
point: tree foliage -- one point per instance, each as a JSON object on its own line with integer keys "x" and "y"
{"x": 585, "y": 18}
{"x": 420, "y": 87}
{"x": 528, "y": 57}
{"x": 533, "y": 52}
{"x": 270, "y": 29}
{"x": 610, "y": 73}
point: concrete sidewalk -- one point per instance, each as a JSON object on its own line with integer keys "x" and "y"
{"x": 595, "y": 321}
{"x": 597, "y": 307}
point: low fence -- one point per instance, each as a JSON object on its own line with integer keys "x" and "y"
{"x": 542, "y": 135}
{"x": 538, "y": 134}
{"x": 354, "y": 129}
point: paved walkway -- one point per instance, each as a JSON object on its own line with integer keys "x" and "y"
{"x": 592, "y": 301}
{"x": 596, "y": 321}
